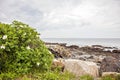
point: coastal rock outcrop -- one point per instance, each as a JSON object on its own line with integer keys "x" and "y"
{"x": 94, "y": 60}
{"x": 59, "y": 50}
{"x": 79, "y": 67}
{"x": 110, "y": 64}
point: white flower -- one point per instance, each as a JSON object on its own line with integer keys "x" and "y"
{"x": 28, "y": 47}
{"x": 4, "y": 37}
{"x": 2, "y": 47}
{"x": 37, "y": 35}
{"x": 21, "y": 26}
{"x": 38, "y": 63}
{"x": 24, "y": 34}
{"x": 50, "y": 52}
{"x": 12, "y": 25}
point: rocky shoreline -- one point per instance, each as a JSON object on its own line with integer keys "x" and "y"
{"x": 107, "y": 59}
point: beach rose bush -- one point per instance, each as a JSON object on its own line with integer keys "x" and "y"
{"x": 21, "y": 50}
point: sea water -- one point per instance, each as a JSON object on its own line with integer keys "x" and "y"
{"x": 108, "y": 42}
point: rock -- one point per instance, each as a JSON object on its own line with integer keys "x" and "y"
{"x": 110, "y": 64}
{"x": 109, "y": 49}
{"x": 59, "y": 50}
{"x": 55, "y": 53}
{"x": 92, "y": 49}
{"x": 63, "y": 44}
{"x": 116, "y": 51}
{"x": 112, "y": 74}
{"x": 73, "y": 46}
{"x": 98, "y": 59}
{"x": 85, "y": 57}
{"x": 91, "y": 58}
{"x": 100, "y": 49}
{"x": 58, "y": 63}
{"x": 80, "y": 68}
{"x": 97, "y": 46}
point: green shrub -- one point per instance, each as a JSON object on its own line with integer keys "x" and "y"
{"x": 117, "y": 77}
{"x": 107, "y": 78}
{"x": 111, "y": 77}
{"x": 86, "y": 77}
{"x": 21, "y": 50}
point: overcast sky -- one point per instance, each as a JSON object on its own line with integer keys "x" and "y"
{"x": 66, "y": 18}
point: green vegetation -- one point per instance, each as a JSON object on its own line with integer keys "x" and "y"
{"x": 86, "y": 77}
{"x": 54, "y": 75}
{"x": 117, "y": 77}
{"x": 21, "y": 51}
{"x": 107, "y": 78}
{"x": 111, "y": 77}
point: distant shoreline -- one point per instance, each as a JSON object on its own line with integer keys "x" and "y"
{"x": 65, "y": 44}
{"x": 108, "y": 42}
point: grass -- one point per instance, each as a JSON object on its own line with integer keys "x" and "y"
{"x": 50, "y": 75}
{"x": 86, "y": 77}
{"x": 53, "y": 75}
{"x": 108, "y": 77}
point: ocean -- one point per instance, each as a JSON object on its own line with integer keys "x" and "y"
{"x": 108, "y": 42}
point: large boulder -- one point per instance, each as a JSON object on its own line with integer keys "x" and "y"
{"x": 79, "y": 67}
{"x": 110, "y": 64}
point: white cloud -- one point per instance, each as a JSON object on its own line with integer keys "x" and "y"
{"x": 66, "y": 18}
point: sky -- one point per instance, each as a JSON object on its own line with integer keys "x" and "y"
{"x": 66, "y": 18}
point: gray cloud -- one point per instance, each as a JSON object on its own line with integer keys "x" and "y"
{"x": 65, "y": 18}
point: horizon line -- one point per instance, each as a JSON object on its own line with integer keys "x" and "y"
{"x": 81, "y": 38}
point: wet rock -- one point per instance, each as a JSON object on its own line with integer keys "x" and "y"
{"x": 59, "y": 50}
{"x": 92, "y": 49}
{"x": 110, "y": 64}
{"x": 116, "y": 51}
{"x": 73, "y": 47}
{"x": 55, "y": 53}
{"x": 97, "y": 46}
{"x": 79, "y": 67}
